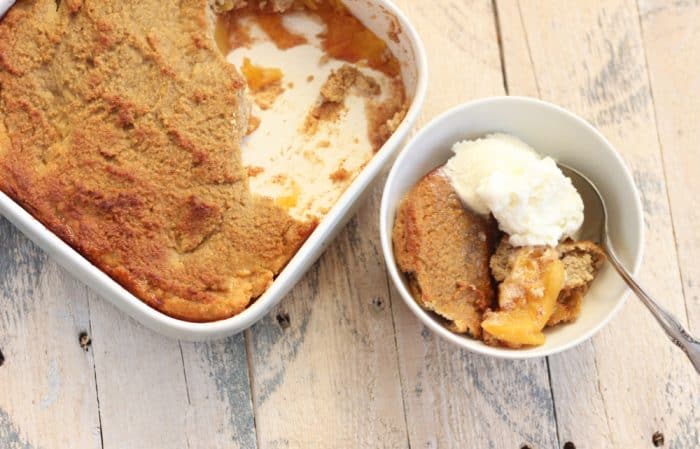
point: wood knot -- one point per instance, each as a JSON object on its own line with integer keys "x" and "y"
{"x": 569, "y": 445}
{"x": 2, "y": 358}
{"x": 283, "y": 320}
{"x": 84, "y": 341}
{"x": 525, "y": 446}
{"x": 658, "y": 439}
{"x": 378, "y": 304}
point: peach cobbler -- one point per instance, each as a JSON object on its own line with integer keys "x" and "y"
{"x": 486, "y": 243}
{"x": 127, "y": 130}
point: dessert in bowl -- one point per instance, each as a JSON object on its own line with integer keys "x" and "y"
{"x": 177, "y": 150}
{"x": 475, "y": 284}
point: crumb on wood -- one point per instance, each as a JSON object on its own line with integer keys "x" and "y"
{"x": 324, "y": 144}
{"x": 309, "y": 78}
{"x": 569, "y": 445}
{"x": 658, "y": 439}
{"x": 283, "y": 320}
{"x": 84, "y": 340}
{"x": 525, "y": 446}
{"x": 2, "y": 358}
{"x": 290, "y": 85}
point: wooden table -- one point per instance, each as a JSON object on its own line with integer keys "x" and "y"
{"x": 342, "y": 363}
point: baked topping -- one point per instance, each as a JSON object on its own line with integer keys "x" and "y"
{"x": 444, "y": 249}
{"x": 121, "y": 131}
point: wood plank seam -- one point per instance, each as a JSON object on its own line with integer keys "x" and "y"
{"x": 248, "y": 338}
{"x": 184, "y": 373}
{"x": 501, "y": 55}
{"x": 94, "y": 373}
{"x": 398, "y": 361}
{"x": 664, "y": 168}
{"x": 554, "y": 402}
{"x": 599, "y": 390}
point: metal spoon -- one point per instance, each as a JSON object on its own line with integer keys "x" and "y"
{"x": 596, "y": 227}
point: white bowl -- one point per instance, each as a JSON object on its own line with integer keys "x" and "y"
{"x": 552, "y": 131}
{"x": 390, "y": 24}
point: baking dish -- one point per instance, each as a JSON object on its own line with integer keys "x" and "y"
{"x": 382, "y": 17}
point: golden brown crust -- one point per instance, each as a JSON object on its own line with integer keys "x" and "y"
{"x": 444, "y": 249}
{"x": 122, "y": 126}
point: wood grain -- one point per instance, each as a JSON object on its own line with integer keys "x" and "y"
{"x": 140, "y": 381}
{"x": 454, "y": 398}
{"x": 155, "y": 392}
{"x": 630, "y": 381}
{"x": 47, "y": 381}
{"x": 324, "y": 362}
{"x": 672, "y": 42}
{"x": 220, "y": 412}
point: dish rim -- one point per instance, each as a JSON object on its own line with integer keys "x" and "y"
{"x": 298, "y": 265}
{"x": 387, "y": 247}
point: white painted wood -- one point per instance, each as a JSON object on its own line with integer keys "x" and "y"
{"x": 153, "y": 394}
{"x": 47, "y": 382}
{"x": 140, "y": 382}
{"x": 630, "y": 381}
{"x": 220, "y": 412}
{"x": 671, "y": 39}
{"x": 455, "y": 399}
{"x": 324, "y": 363}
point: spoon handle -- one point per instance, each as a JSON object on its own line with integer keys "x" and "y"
{"x": 668, "y": 322}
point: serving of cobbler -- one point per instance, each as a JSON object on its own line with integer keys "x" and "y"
{"x": 487, "y": 243}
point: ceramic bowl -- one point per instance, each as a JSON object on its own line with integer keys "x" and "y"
{"x": 552, "y": 131}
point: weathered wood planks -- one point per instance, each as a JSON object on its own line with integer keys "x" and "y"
{"x": 47, "y": 381}
{"x": 630, "y": 381}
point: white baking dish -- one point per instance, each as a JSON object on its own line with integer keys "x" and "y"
{"x": 382, "y": 17}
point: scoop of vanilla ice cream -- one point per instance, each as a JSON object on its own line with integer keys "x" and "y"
{"x": 475, "y": 160}
{"x": 535, "y": 205}
{"x": 532, "y": 200}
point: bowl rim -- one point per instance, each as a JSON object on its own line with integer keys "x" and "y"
{"x": 115, "y": 293}
{"x": 477, "y": 346}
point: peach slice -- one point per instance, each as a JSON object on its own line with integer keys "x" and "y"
{"x": 527, "y": 298}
